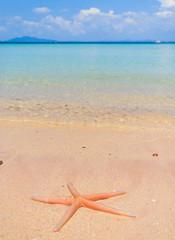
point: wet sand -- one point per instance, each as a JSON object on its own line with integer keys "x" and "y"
{"x": 41, "y": 159}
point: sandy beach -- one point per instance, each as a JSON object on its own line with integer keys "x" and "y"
{"x": 41, "y": 159}
{"x": 87, "y": 97}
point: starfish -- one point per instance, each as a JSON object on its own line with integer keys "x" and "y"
{"x": 83, "y": 201}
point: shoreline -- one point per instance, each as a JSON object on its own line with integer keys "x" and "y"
{"x": 141, "y": 123}
{"x": 41, "y": 159}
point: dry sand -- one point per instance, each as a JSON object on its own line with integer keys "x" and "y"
{"x": 40, "y": 160}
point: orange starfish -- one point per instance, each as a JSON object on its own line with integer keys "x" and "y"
{"x": 83, "y": 201}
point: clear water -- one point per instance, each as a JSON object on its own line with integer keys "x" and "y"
{"x": 87, "y": 82}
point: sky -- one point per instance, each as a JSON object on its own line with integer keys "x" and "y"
{"x": 89, "y": 20}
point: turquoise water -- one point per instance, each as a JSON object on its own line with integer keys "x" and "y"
{"x": 87, "y": 82}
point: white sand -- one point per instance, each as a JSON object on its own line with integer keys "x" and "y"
{"x": 42, "y": 160}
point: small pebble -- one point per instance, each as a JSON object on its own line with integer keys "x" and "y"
{"x": 153, "y": 200}
{"x": 155, "y": 223}
{"x": 1, "y": 162}
{"x": 155, "y": 155}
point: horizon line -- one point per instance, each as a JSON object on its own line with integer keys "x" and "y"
{"x": 58, "y": 42}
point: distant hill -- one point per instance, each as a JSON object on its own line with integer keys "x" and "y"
{"x": 27, "y": 39}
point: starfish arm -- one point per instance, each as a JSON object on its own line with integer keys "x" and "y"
{"x": 100, "y": 207}
{"x": 69, "y": 213}
{"x": 73, "y": 191}
{"x": 99, "y": 196}
{"x": 56, "y": 200}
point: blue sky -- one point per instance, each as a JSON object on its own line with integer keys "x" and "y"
{"x": 90, "y": 20}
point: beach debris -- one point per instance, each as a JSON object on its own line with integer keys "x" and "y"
{"x": 83, "y": 201}
{"x": 83, "y": 147}
{"x": 1, "y": 162}
{"x": 155, "y": 223}
{"x": 155, "y": 155}
{"x": 153, "y": 200}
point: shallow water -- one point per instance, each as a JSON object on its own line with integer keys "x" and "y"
{"x": 97, "y": 83}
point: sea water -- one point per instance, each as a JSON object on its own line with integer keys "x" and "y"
{"x": 72, "y": 83}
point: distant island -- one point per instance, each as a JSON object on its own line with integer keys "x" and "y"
{"x": 27, "y": 39}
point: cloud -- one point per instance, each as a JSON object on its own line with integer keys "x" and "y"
{"x": 65, "y": 10}
{"x": 130, "y": 14}
{"x": 164, "y": 14}
{"x": 73, "y": 27}
{"x": 30, "y": 23}
{"x": 18, "y": 21}
{"x": 87, "y": 20}
{"x": 2, "y": 28}
{"x": 14, "y": 20}
{"x": 130, "y": 20}
{"x": 95, "y": 22}
{"x": 89, "y": 14}
{"x": 167, "y": 3}
{"x": 91, "y": 11}
{"x": 41, "y": 10}
{"x": 65, "y": 24}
